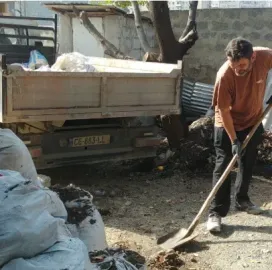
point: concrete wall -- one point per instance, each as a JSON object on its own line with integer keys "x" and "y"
{"x": 118, "y": 30}
{"x": 121, "y": 32}
{"x": 216, "y": 27}
{"x": 83, "y": 41}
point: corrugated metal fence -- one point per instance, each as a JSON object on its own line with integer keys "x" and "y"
{"x": 196, "y": 98}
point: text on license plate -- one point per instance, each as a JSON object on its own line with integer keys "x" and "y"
{"x": 90, "y": 140}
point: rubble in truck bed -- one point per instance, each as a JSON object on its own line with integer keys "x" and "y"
{"x": 197, "y": 151}
{"x": 76, "y": 195}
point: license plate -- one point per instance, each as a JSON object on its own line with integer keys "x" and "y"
{"x": 90, "y": 140}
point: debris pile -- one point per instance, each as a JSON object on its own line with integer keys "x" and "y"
{"x": 114, "y": 257}
{"x": 84, "y": 220}
{"x": 197, "y": 151}
{"x": 76, "y": 201}
{"x": 33, "y": 233}
{"x": 166, "y": 261}
{"x": 265, "y": 148}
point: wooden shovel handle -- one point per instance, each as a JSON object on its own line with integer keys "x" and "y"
{"x": 206, "y": 204}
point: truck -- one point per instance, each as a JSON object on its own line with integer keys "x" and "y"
{"x": 69, "y": 118}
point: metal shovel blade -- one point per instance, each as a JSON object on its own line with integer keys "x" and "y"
{"x": 175, "y": 239}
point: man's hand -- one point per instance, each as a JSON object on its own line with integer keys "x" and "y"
{"x": 237, "y": 148}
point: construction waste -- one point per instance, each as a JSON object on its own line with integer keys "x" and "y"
{"x": 83, "y": 219}
{"x": 197, "y": 151}
{"x": 40, "y": 232}
{"x": 265, "y": 149}
{"x": 33, "y": 234}
{"x": 69, "y": 62}
{"x": 118, "y": 259}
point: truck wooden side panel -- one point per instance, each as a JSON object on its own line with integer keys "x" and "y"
{"x": 47, "y": 96}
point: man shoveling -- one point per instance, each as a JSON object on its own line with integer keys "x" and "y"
{"x": 238, "y": 102}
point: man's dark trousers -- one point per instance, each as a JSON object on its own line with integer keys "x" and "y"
{"x": 221, "y": 203}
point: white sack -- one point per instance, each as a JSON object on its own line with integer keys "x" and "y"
{"x": 92, "y": 229}
{"x": 73, "y": 62}
{"x": 70, "y": 254}
{"x": 15, "y": 156}
{"x": 27, "y": 225}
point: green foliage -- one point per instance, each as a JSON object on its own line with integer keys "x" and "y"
{"x": 121, "y": 4}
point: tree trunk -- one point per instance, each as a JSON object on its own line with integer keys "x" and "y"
{"x": 139, "y": 27}
{"x": 109, "y": 48}
{"x": 167, "y": 42}
{"x": 172, "y": 50}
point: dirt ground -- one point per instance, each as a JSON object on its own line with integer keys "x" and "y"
{"x": 138, "y": 207}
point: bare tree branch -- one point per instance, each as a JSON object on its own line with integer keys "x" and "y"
{"x": 190, "y": 37}
{"x": 109, "y": 48}
{"x": 191, "y": 21}
{"x": 167, "y": 42}
{"x": 139, "y": 27}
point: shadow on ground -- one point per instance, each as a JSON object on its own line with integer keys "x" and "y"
{"x": 151, "y": 203}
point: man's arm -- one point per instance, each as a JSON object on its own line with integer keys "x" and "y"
{"x": 228, "y": 123}
{"x": 224, "y": 102}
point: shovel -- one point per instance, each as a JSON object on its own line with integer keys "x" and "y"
{"x": 179, "y": 237}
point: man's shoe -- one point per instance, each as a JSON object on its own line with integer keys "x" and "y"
{"x": 249, "y": 207}
{"x": 214, "y": 223}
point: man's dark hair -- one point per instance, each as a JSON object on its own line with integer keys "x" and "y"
{"x": 239, "y": 48}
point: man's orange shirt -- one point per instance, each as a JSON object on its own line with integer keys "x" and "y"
{"x": 242, "y": 94}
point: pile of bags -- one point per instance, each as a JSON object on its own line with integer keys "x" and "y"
{"x": 41, "y": 228}
{"x": 70, "y": 62}
{"x": 15, "y": 156}
{"x": 73, "y": 62}
{"x": 33, "y": 234}
{"x": 83, "y": 219}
